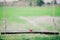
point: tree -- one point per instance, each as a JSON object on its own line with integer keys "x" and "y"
{"x": 40, "y": 2}
{"x": 55, "y": 2}
{"x": 30, "y": 1}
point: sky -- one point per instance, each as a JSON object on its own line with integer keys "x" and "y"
{"x": 58, "y": 1}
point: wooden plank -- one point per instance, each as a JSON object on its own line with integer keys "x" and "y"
{"x": 48, "y": 33}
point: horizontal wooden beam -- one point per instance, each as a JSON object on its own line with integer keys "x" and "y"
{"x": 48, "y": 33}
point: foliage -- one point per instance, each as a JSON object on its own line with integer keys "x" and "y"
{"x": 55, "y": 2}
{"x": 40, "y": 2}
{"x": 1, "y": 38}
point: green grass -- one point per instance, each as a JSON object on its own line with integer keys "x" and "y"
{"x": 1, "y": 17}
{"x": 13, "y": 12}
{"x": 30, "y": 37}
{"x": 57, "y": 12}
{"x": 1, "y": 12}
{"x": 29, "y": 11}
{"x": 32, "y": 11}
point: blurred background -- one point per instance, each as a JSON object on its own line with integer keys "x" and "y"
{"x": 19, "y": 3}
{"x": 40, "y": 11}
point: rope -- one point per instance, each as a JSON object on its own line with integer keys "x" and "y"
{"x": 5, "y": 16}
{"x": 54, "y": 21}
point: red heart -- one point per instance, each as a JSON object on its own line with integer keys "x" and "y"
{"x": 30, "y": 30}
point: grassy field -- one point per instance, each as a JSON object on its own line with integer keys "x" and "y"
{"x": 29, "y": 37}
{"x": 13, "y": 14}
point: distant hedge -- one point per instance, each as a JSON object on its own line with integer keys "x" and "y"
{"x": 1, "y": 4}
